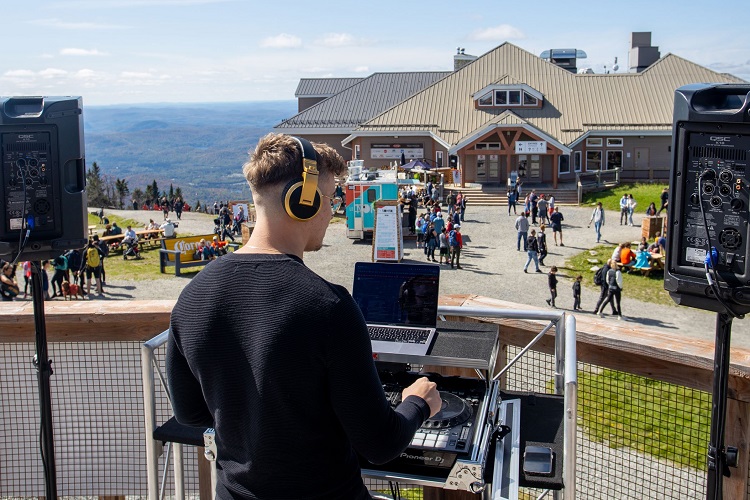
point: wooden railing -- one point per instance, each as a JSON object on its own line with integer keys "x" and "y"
{"x": 596, "y": 180}
{"x": 626, "y": 347}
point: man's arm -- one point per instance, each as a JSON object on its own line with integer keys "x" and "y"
{"x": 375, "y": 430}
{"x": 187, "y": 398}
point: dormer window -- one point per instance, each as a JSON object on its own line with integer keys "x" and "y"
{"x": 506, "y": 96}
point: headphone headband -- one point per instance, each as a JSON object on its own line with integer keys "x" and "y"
{"x": 309, "y": 171}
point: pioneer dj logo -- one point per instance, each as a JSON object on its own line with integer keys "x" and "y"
{"x": 423, "y": 458}
{"x": 718, "y": 138}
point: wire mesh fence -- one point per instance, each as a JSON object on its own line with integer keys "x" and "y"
{"x": 637, "y": 437}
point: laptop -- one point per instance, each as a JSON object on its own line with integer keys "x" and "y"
{"x": 399, "y": 303}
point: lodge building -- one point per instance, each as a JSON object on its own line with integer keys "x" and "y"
{"x": 508, "y": 111}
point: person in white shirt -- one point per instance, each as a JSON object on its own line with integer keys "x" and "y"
{"x": 168, "y": 228}
{"x": 597, "y": 217}
{"x": 631, "y": 208}
{"x": 130, "y": 236}
{"x": 624, "y": 209}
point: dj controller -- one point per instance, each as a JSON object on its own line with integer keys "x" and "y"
{"x": 453, "y": 434}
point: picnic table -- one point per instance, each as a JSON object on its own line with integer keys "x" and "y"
{"x": 144, "y": 236}
{"x": 656, "y": 263}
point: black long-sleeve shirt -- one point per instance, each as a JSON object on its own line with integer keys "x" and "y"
{"x": 279, "y": 362}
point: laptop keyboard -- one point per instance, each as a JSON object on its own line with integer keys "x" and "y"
{"x": 401, "y": 335}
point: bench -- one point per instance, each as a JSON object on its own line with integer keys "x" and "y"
{"x": 180, "y": 252}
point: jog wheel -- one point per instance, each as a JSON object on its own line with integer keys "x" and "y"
{"x": 454, "y": 412}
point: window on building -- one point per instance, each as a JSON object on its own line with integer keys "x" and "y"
{"x": 357, "y": 152}
{"x": 614, "y": 160}
{"x": 593, "y": 160}
{"x": 615, "y": 142}
{"x": 529, "y": 100}
{"x": 595, "y": 142}
{"x": 577, "y": 161}
{"x": 514, "y": 97}
{"x": 439, "y": 158}
{"x": 563, "y": 164}
{"x": 486, "y": 99}
{"x": 487, "y": 145}
{"x": 501, "y": 98}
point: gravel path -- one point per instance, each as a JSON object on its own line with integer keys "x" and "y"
{"x": 491, "y": 267}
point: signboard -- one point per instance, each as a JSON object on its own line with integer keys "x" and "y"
{"x": 387, "y": 236}
{"x": 394, "y": 151}
{"x": 524, "y": 147}
{"x": 186, "y": 246}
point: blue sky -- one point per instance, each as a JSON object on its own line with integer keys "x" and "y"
{"x": 143, "y": 51}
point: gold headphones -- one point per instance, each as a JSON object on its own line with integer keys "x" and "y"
{"x": 301, "y": 197}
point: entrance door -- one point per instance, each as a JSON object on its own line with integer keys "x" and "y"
{"x": 641, "y": 158}
{"x": 494, "y": 168}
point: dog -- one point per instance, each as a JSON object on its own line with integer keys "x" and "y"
{"x": 71, "y": 290}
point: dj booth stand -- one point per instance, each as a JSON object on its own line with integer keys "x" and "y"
{"x": 484, "y": 364}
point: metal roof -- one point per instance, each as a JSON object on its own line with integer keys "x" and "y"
{"x": 573, "y": 104}
{"x": 363, "y": 100}
{"x": 323, "y": 87}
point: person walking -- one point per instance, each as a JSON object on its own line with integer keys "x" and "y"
{"x": 614, "y": 291}
{"x": 624, "y": 209}
{"x": 597, "y": 217}
{"x": 532, "y": 250}
{"x": 556, "y": 222}
{"x": 522, "y": 226}
{"x": 631, "y": 208}
{"x": 600, "y": 278}
{"x": 543, "y": 207}
{"x": 461, "y": 203}
{"x": 577, "y": 293}
{"x": 534, "y": 202}
{"x": 664, "y": 200}
{"x": 512, "y": 201}
{"x": 541, "y": 239}
{"x": 552, "y": 282}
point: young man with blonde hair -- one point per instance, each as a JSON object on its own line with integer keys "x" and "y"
{"x": 278, "y": 360}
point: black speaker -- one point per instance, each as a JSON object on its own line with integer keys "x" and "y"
{"x": 453, "y": 161}
{"x": 43, "y": 177}
{"x": 708, "y": 249}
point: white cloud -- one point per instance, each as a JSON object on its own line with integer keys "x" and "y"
{"x": 361, "y": 69}
{"x": 336, "y": 40}
{"x": 86, "y": 74}
{"x": 81, "y": 52}
{"x": 19, "y": 73}
{"x": 47, "y": 56}
{"x": 53, "y": 73}
{"x": 79, "y": 26}
{"x": 281, "y": 41}
{"x": 135, "y": 74}
{"x": 497, "y": 34}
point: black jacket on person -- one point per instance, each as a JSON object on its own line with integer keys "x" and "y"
{"x": 532, "y": 244}
{"x": 279, "y": 362}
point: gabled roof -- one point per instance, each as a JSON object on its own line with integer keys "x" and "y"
{"x": 573, "y": 104}
{"x": 361, "y": 101}
{"x": 323, "y": 87}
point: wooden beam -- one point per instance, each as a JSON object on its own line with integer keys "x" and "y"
{"x": 737, "y": 434}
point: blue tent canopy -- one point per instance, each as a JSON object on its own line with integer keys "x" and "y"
{"x": 418, "y": 164}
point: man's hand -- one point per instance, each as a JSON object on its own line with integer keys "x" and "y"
{"x": 426, "y": 390}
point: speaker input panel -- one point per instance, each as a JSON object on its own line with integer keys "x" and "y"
{"x": 725, "y": 190}
{"x": 737, "y": 204}
{"x": 709, "y": 188}
{"x": 41, "y": 206}
{"x": 726, "y": 176}
{"x": 716, "y": 202}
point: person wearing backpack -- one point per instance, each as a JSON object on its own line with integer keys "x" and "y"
{"x": 600, "y": 279}
{"x": 614, "y": 290}
{"x": 92, "y": 259}
{"x": 456, "y": 243}
{"x": 104, "y": 252}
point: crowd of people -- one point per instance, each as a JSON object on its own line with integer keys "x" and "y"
{"x": 436, "y": 231}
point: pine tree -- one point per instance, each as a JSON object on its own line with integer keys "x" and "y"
{"x": 95, "y": 187}
{"x": 121, "y": 187}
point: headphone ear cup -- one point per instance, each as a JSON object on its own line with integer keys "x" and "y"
{"x": 290, "y": 197}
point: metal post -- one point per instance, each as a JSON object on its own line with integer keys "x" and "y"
{"x": 717, "y": 465}
{"x": 43, "y": 367}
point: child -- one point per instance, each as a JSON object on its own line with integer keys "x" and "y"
{"x": 552, "y": 280}
{"x": 420, "y": 233}
{"x": 577, "y": 293}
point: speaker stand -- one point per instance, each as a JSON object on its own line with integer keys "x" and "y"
{"x": 718, "y": 461}
{"x": 43, "y": 367}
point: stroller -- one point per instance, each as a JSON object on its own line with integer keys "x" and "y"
{"x": 132, "y": 249}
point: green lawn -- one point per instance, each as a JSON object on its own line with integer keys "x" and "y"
{"x": 642, "y": 193}
{"x": 661, "y": 419}
{"x": 635, "y": 286}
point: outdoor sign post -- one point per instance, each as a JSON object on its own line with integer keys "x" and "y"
{"x": 387, "y": 235}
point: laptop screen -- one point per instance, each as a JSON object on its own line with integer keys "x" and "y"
{"x": 397, "y": 294}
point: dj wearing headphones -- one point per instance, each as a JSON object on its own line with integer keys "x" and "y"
{"x": 277, "y": 359}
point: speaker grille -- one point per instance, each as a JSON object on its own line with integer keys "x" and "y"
{"x": 718, "y": 153}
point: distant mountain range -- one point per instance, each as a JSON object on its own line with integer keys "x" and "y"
{"x": 199, "y": 147}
